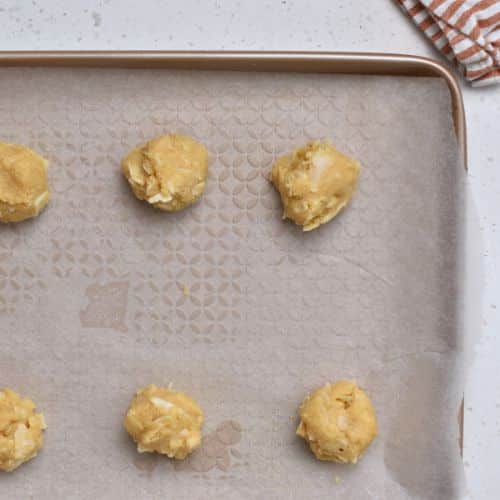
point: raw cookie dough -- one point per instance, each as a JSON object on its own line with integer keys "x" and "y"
{"x": 315, "y": 183}
{"x": 338, "y": 421}
{"x": 169, "y": 172}
{"x": 24, "y": 190}
{"x": 165, "y": 421}
{"x": 20, "y": 430}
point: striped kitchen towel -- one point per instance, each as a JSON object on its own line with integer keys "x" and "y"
{"x": 466, "y": 31}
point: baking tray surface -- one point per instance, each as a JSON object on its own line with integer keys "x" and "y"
{"x": 93, "y": 300}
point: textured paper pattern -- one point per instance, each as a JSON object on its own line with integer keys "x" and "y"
{"x": 93, "y": 300}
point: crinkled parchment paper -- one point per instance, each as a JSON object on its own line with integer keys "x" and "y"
{"x": 102, "y": 294}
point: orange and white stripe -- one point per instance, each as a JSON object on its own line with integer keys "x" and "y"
{"x": 465, "y": 31}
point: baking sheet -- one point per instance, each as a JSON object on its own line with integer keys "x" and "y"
{"x": 93, "y": 302}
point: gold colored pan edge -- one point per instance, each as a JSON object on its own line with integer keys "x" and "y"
{"x": 302, "y": 62}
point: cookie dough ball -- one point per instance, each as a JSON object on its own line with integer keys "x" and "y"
{"x": 166, "y": 421}
{"x": 169, "y": 172}
{"x": 24, "y": 190}
{"x": 338, "y": 422}
{"x": 315, "y": 183}
{"x": 20, "y": 430}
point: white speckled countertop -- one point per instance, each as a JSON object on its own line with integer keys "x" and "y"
{"x": 341, "y": 25}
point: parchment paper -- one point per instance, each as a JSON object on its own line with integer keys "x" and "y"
{"x": 102, "y": 294}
